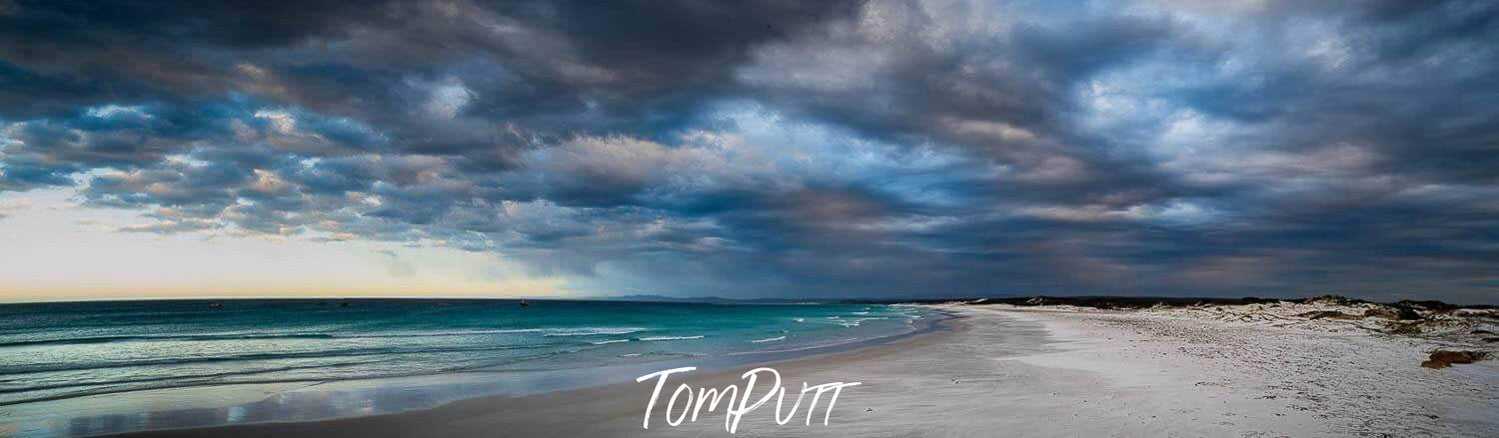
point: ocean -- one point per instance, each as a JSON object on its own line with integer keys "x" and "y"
{"x": 63, "y": 364}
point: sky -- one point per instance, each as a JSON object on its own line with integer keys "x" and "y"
{"x": 749, "y": 149}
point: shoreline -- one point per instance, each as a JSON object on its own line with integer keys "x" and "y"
{"x": 600, "y": 401}
{"x": 123, "y": 409}
{"x": 1031, "y": 372}
{"x": 543, "y": 413}
{"x": 230, "y": 405}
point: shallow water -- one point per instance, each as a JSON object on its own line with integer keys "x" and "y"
{"x": 80, "y": 368}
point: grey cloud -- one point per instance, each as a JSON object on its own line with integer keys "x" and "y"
{"x": 825, "y": 148}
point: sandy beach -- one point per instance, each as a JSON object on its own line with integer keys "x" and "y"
{"x": 1050, "y": 371}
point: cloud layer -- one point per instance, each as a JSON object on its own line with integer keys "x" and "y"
{"x": 796, "y": 148}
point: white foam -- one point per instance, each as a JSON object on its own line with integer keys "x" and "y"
{"x": 670, "y": 338}
{"x": 591, "y": 331}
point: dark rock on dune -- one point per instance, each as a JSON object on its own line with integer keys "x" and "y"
{"x": 1333, "y": 299}
{"x": 1407, "y": 314}
{"x": 1396, "y": 328}
{"x": 1444, "y": 358}
{"x": 1393, "y": 312}
{"x": 1331, "y": 314}
{"x": 1426, "y": 305}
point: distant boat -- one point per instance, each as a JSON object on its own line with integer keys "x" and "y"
{"x": 524, "y": 303}
{"x": 215, "y": 304}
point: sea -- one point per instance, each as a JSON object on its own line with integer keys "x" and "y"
{"x": 83, "y": 368}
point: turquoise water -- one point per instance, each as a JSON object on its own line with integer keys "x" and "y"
{"x": 62, "y": 351}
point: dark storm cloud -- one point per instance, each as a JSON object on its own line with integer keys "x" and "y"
{"x": 788, "y": 148}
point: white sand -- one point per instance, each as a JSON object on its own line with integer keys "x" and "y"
{"x": 1169, "y": 372}
{"x": 1227, "y": 376}
{"x": 1005, "y": 371}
